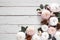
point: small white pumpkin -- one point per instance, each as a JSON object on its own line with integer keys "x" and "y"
{"x": 45, "y": 36}
{"x": 36, "y": 37}
{"x": 21, "y": 36}
{"x": 54, "y": 7}
{"x": 57, "y": 35}
{"x": 44, "y": 27}
{"x": 53, "y": 21}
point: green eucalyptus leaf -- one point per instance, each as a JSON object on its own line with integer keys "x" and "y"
{"x": 38, "y": 9}
{"x": 41, "y": 6}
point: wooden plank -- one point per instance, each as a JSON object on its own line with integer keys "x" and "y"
{"x": 25, "y": 2}
{"x": 18, "y": 10}
{"x": 13, "y": 29}
{"x": 20, "y": 19}
{"x": 8, "y": 37}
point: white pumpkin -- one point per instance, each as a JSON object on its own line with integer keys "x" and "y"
{"x": 21, "y": 36}
{"x": 53, "y": 21}
{"x": 57, "y": 35}
{"x": 54, "y": 7}
{"x": 45, "y": 36}
{"x": 36, "y": 37}
{"x": 44, "y": 27}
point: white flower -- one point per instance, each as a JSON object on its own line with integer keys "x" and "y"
{"x": 45, "y": 36}
{"x": 44, "y": 27}
{"x": 53, "y": 21}
{"x": 57, "y": 35}
{"x": 36, "y": 37}
{"x": 21, "y": 36}
{"x": 54, "y": 7}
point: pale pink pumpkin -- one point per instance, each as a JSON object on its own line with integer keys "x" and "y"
{"x": 51, "y": 30}
{"x": 45, "y": 14}
{"x": 30, "y": 31}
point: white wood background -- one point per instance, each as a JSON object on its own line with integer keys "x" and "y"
{"x": 15, "y": 13}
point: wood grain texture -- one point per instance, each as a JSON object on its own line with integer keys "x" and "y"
{"x": 8, "y": 37}
{"x": 8, "y": 29}
{"x": 25, "y": 2}
{"x": 20, "y": 20}
{"x": 18, "y": 10}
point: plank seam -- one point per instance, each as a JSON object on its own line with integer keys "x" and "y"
{"x": 19, "y": 24}
{"x": 19, "y": 15}
{"x": 19, "y": 6}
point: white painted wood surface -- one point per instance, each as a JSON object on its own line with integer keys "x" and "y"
{"x": 18, "y": 10}
{"x": 13, "y": 29}
{"x": 8, "y": 37}
{"x": 25, "y": 2}
{"x": 19, "y": 20}
{"x": 15, "y": 13}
